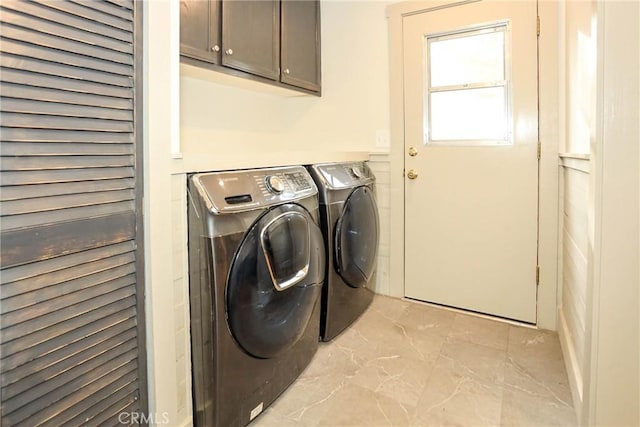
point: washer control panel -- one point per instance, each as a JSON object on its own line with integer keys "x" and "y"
{"x": 236, "y": 191}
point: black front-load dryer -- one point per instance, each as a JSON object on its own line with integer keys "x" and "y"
{"x": 256, "y": 258}
{"x": 350, "y": 225}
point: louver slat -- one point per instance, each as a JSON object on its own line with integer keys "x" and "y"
{"x": 127, "y": 4}
{"x": 24, "y": 163}
{"x": 20, "y": 63}
{"x": 65, "y": 20}
{"x": 112, "y": 9}
{"x": 48, "y": 352}
{"x": 38, "y": 135}
{"x": 47, "y": 380}
{"x": 63, "y": 175}
{"x": 16, "y": 337}
{"x": 81, "y": 259}
{"x": 91, "y": 14}
{"x": 25, "y": 305}
{"x": 68, "y": 355}
{"x": 50, "y": 241}
{"x": 35, "y": 121}
{"x": 71, "y": 335}
{"x": 40, "y": 410}
{"x": 48, "y": 27}
{"x": 55, "y": 95}
{"x": 46, "y": 47}
{"x": 12, "y": 105}
{"x": 10, "y": 75}
{"x": 119, "y": 397}
{"x": 45, "y": 204}
{"x": 50, "y": 190}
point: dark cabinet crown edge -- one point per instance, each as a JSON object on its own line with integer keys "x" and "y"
{"x": 237, "y": 73}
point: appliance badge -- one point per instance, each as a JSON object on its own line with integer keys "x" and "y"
{"x": 256, "y": 411}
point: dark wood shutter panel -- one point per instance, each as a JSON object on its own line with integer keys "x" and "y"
{"x": 71, "y": 304}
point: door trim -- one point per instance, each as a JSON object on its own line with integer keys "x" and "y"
{"x": 549, "y": 134}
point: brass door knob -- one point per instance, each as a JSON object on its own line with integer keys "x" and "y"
{"x": 413, "y": 152}
{"x": 412, "y": 174}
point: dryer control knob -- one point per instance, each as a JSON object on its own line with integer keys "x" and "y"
{"x": 274, "y": 184}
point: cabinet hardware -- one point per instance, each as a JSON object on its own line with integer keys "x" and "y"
{"x": 215, "y": 48}
{"x": 229, "y": 52}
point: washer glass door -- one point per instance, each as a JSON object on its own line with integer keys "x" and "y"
{"x": 356, "y": 238}
{"x": 274, "y": 281}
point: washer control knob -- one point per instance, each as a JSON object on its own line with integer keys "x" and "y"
{"x": 356, "y": 172}
{"x": 274, "y": 184}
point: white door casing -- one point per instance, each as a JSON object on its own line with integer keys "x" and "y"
{"x": 471, "y": 213}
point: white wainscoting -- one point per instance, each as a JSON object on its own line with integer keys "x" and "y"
{"x": 380, "y": 165}
{"x": 181, "y": 298}
{"x": 574, "y": 244}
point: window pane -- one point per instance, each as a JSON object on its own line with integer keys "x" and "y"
{"x": 467, "y": 59}
{"x": 470, "y": 114}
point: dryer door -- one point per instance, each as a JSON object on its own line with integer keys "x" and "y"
{"x": 274, "y": 281}
{"x": 356, "y": 238}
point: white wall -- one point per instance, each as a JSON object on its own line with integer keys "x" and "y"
{"x": 160, "y": 128}
{"x": 599, "y": 324}
{"x": 612, "y": 389}
{"x": 577, "y": 74}
{"x": 218, "y": 119}
{"x": 580, "y": 84}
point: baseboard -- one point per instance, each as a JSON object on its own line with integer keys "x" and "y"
{"x": 570, "y": 362}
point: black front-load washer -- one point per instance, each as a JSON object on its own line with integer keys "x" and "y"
{"x": 350, "y": 225}
{"x": 256, "y": 258}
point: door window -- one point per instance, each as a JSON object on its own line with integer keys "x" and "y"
{"x": 467, "y": 87}
{"x": 274, "y": 282}
{"x": 356, "y": 245}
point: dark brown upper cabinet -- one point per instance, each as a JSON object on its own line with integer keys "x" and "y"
{"x": 300, "y": 38}
{"x": 273, "y": 41}
{"x": 200, "y": 30}
{"x": 251, "y": 36}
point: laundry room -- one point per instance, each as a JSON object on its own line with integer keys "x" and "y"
{"x": 237, "y": 124}
{"x": 387, "y": 212}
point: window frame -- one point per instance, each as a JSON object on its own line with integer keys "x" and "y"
{"x": 485, "y": 28}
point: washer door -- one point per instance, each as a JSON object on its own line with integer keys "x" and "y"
{"x": 275, "y": 281}
{"x": 356, "y": 238}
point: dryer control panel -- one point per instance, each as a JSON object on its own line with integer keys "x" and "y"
{"x": 237, "y": 191}
{"x": 344, "y": 175}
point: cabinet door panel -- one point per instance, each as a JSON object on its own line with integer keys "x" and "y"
{"x": 200, "y": 30}
{"x": 250, "y": 36}
{"x": 301, "y": 43}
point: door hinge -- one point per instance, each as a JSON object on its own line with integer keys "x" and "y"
{"x": 538, "y": 26}
{"x": 537, "y": 275}
{"x": 539, "y": 150}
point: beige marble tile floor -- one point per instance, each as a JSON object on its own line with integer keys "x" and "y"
{"x": 411, "y": 364}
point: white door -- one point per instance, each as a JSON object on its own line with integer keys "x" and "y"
{"x": 471, "y": 162}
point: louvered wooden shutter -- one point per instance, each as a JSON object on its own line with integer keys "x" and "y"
{"x": 72, "y": 340}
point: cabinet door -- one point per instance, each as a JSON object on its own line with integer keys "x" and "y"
{"x": 251, "y": 36}
{"x": 301, "y": 43}
{"x": 200, "y": 30}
